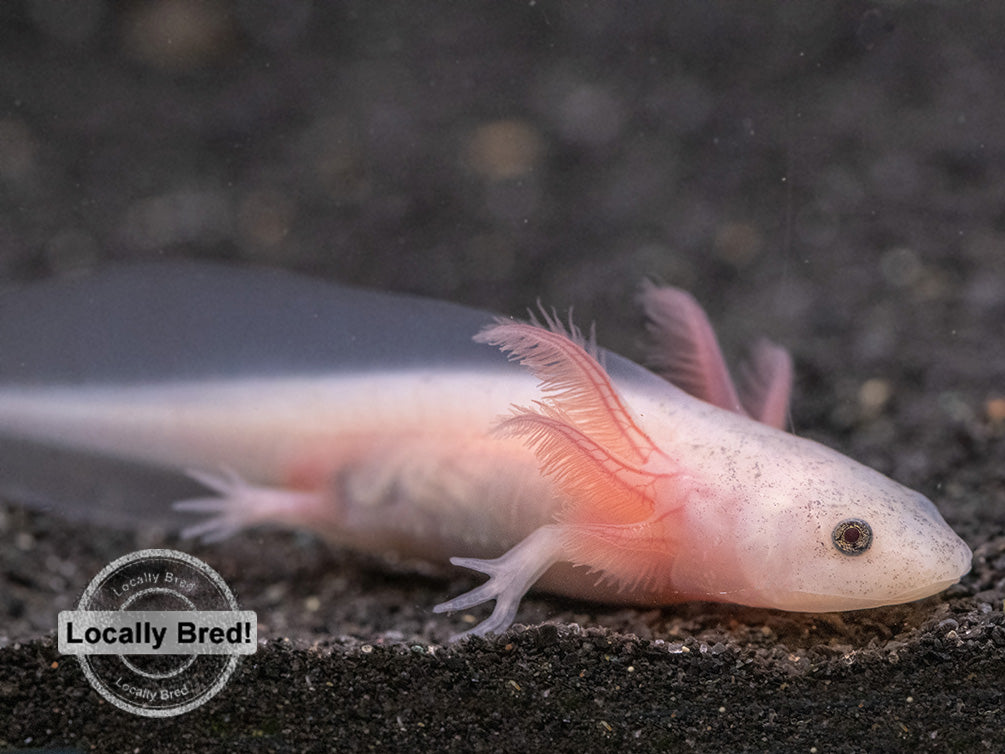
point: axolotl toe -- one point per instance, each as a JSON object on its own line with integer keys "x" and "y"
{"x": 392, "y": 423}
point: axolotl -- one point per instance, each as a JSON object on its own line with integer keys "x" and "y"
{"x": 391, "y": 423}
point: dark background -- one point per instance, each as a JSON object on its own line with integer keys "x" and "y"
{"x": 829, "y": 174}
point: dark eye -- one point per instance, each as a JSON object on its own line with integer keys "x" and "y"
{"x": 852, "y": 537}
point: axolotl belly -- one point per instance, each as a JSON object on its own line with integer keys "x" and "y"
{"x": 391, "y": 423}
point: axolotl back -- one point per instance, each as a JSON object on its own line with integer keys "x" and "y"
{"x": 390, "y": 423}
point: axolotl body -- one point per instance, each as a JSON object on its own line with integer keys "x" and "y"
{"x": 392, "y": 423}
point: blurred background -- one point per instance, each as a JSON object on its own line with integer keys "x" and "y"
{"x": 828, "y": 174}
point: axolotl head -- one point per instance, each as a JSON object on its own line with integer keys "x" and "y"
{"x": 813, "y": 530}
{"x": 670, "y": 497}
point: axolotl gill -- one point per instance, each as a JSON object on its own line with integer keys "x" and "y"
{"x": 390, "y": 423}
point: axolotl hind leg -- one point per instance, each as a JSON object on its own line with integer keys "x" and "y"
{"x": 239, "y": 505}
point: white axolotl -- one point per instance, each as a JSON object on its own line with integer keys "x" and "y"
{"x": 392, "y": 423}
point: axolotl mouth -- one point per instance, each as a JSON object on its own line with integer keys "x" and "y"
{"x": 808, "y": 599}
{"x": 952, "y": 568}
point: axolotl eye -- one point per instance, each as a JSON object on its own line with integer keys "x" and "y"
{"x": 852, "y": 537}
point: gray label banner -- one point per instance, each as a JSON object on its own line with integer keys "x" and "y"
{"x": 139, "y": 632}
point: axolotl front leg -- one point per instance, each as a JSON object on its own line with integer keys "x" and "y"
{"x": 510, "y": 577}
{"x": 621, "y": 494}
